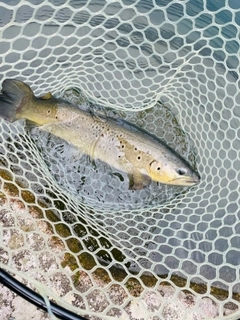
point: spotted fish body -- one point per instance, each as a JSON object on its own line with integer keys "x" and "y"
{"x": 122, "y": 145}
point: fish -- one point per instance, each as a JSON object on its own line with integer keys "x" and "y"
{"x": 117, "y": 142}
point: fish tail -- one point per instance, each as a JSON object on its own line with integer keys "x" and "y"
{"x": 13, "y": 97}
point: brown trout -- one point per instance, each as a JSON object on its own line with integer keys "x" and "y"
{"x": 117, "y": 142}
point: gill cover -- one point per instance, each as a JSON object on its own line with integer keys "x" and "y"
{"x": 170, "y": 174}
{"x": 160, "y": 173}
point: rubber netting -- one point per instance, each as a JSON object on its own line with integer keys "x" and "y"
{"x": 94, "y": 246}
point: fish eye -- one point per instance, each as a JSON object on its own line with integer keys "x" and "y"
{"x": 181, "y": 171}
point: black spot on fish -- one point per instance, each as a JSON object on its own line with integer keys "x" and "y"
{"x": 136, "y": 149}
{"x": 139, "y": 157}
{"x": 158, "y": 168}
{"x": 49, "y": 111}
{"x": 123, "y": 146}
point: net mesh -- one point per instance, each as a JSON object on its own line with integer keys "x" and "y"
{"x": 72, "y": 229}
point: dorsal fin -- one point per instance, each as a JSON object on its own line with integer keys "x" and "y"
{"x": 47, "y": 96}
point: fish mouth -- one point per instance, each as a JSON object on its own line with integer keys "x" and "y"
{"x": 192, "y": 181}
{"x": 185, "y": 181}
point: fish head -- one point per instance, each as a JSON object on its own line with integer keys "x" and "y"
{"x": 173, "y": 173}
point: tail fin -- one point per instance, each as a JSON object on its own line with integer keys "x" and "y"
{"x": 11, "y": 99}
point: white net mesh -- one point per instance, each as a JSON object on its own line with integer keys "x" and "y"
{"x": 159, "y": 253}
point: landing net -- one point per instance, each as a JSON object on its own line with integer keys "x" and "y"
{"x": 71, "y": 229}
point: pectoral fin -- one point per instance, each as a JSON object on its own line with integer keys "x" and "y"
{"x": 138, "y": 181}
{"x": 29, "y": 125}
